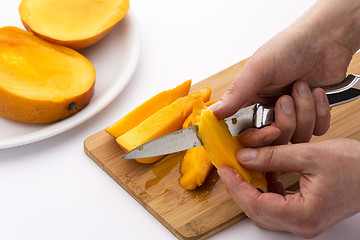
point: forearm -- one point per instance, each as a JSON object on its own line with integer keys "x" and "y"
{"x": 333, "y": 20}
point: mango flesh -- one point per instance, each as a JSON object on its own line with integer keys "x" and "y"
{"x": 195, "y": 167}
{"x": 148, "y": 108}
{"x": 222, "y": 148}
{"x": 41, "y": 82}
{"x": 167, "y": 120}
{"x": 73, "y": 23}
{"x": 197, "y": 112}
{"x": 196, "y": 164}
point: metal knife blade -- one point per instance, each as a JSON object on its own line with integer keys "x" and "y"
{"x": 255, "y": 115}
{"x": 174, "y": 142}
{"x": 187, "y": 138}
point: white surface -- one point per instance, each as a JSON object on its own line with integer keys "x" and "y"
{"x": 115, "y": 59}
{"x": 52, "y": 190}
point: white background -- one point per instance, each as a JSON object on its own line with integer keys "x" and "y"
{"x": 52, "y": 190}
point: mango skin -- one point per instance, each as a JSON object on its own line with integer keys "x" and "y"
{"x": 76, "y": 24}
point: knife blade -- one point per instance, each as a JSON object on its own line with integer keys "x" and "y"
{"x": 256, "y": 116}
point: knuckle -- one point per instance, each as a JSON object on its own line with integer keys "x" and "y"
{"x": 269, "y": 157}
{"x": 232, "y": 89}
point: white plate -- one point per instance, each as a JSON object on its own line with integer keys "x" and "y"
{"x": 115, "y": 58}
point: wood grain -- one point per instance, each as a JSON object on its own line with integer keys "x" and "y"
{"x": 209, "y": 209}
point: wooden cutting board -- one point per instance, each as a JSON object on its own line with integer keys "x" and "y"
{"x": 201, "y": 213}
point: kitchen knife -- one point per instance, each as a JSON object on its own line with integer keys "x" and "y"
{"x": 254, "y": 116}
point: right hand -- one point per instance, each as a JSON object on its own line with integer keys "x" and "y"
{"x": 316, "y": 50}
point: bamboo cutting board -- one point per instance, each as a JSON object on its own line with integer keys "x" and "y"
{"x": 201, "y": 213}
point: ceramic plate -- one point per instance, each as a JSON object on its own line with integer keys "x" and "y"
{"x": 115, "y": 58}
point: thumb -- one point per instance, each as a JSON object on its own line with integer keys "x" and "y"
{"x": 287, "y": 158}
{"x": 242, "y": 89}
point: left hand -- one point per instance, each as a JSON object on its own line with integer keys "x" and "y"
{"x": 329, "y": 183}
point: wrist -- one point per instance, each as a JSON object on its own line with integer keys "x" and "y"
{"x": 334, "y": 20}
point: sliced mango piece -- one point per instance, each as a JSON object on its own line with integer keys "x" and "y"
{"x": 148, "y": 108}
{"x": 195, "y": 167}
{"x": 196, "y": 164}
{"x": 222, "y": 148}
{"x": 189, "y": 120}
{"x": 165, "y": 121}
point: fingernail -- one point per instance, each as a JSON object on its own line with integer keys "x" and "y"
{"x": 247, "y": 154}
{"x": 215, "y": 106}
{"x": 287, "y": 106}
{"x": 320, "y": 97}
{"x": 303, "y": 90}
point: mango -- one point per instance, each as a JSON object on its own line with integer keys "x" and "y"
{"x": 73, "y": 23}
{"x": 196, "y": 164}
{"x": 222, "y": 148}
{"x": 148, "y": 108}
{"x": 41, "y": 82}
{"x": 167, "y": 120}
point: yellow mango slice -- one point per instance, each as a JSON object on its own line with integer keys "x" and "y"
{"x": 167, "y": 120}
{"x": 73, "y": 23}
{"x": 148, "y": 108}
{"x": 41, "y": 82}
{"x": 195, "y": 167}
{"x": 189, "y": 120}
{"x": 222, "y": 148}
{"x": 196, "y": 164}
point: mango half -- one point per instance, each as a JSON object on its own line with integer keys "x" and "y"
{"x": 73, "y": 23}
{"x": 41, "y": 82}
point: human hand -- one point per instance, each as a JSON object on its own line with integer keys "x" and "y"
{"x": 316, "y": 49}
{"x": 298, "y": 117}
{"x": 329, "y": 182}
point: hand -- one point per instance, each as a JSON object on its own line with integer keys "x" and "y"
{"x": 297, "y": 117}
{"x": 329, "y": 182}
{"x": 316, "y": 49}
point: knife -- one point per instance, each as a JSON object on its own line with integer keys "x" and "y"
{"x": 254, "y": 116}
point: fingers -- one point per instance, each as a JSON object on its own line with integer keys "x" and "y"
{"x": 322, "y": 112}
{"x": 285, "y": 119}
{"x": 267, "y": 210}
{"x": 312, "y": 112}
{"x": 273, "y": 184}
{"x": 298, "y": 117}
{"x": 250, "y": 80}
{"x": 305, "y": 112}
{"x": 287, "y": 158}
{"x": 280, "y": 132}
{"x": 253, "y": 137}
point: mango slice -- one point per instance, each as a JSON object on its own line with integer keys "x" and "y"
{"x": 165, "y": 121}
{"x": 148, "y": 108}
{"x": 222, "y": 148}
{"x": 41, "y": 82}
{"x": 73, "y": 23}
{"x": 196, "y": 164}
{"x": 195, "y": 167}
{"x": 189, "y": 120}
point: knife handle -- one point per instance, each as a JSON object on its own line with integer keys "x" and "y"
{"x": 338, "y": 94}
